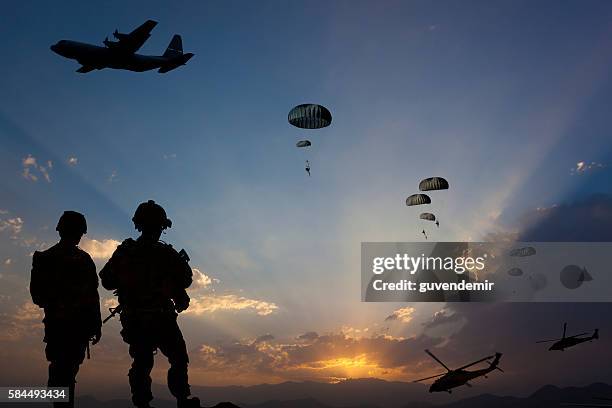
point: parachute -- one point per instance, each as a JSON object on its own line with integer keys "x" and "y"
{"x": 515, "y": 272}
{"x": 538, "y": 281}
{"x": 427, "y": 216}
{"x": 303, "y": 143}
{"x": 433, "y": 183}
{"x": 418, "y": 199}
{"x": 573, "y": 276}
{"x": 310, "y": 116}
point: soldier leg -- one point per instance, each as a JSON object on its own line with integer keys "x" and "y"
{"x": 64, "y": 357}
{"x": 140, "y": 373}
{"x": 173, "y": 346}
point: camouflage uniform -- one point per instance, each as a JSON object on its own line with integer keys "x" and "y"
{"x": 65, "y": 284}
{"x": 150, "y": 279}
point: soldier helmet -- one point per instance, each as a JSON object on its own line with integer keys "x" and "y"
{"x": 72, "y": 221}
{"x": 150, "y": 213}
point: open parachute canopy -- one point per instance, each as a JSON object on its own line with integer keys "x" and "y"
{"x": 515, "y": 272}
{"x": 310, "y": 116}
{"x": 303, "y": 143}
{"x": 418, "y": 199}
{"x": 433, "y": 183}
{"x": 427, "y": 216}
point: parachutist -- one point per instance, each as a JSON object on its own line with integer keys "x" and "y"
{"x": 307, "y": 168}
{"x": 438, "y": 224}
{"x": 423, "y": 232}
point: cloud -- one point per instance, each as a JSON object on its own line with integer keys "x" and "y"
{"x": 22, "y": 323}
{"x": 308, "y": 336}
{"x": 324, "y": 357}
{"x": 443, "y": 317}
{"x": 170, "y": 156}
{"x": 403, "y": 315}
{"x": 8, "y": 261}
{"x": 32, "y": 170}
{"x": 12, "y": 225}
{"x": 72, "y": 161}
{"x": 214, "y": 303}
{"x": 99, "y": 250}
{"x": 263, "y": 339}
{"x": 588, "y": 220}
{"x": 584, "y": 167}
{"x": 110, "y": 303}
{"x": 28, "y": 311}
{"x": 201, "y": 280}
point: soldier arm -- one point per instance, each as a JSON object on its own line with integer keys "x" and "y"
{"x": 94, "y": 295}
{"x": 183, "y": 277}
{"x": 96, "y": 318}
{"x": 37, "y": 280}
{"x": 184, "y": 272}
{"x": 108, "y": 276}
{"x": 109, "y": 273}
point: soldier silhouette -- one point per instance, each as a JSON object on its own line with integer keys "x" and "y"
{"x": 65, "y": 284}
{"x": 150, "y": 278}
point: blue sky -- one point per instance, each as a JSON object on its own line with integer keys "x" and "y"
{"x": 501, "y": 98}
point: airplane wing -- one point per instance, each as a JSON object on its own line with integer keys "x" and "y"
{"x": 130, "y": 43}
{"x": 85, "y": 69}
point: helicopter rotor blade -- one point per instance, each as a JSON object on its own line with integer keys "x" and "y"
{"x": 429, "y": 378}
{"x": 564, "y": 329}
{"x": 437, "y": 359}
{"x": 547, "y": 341}
{"x": 476, "y": 362}
{"x": 576, "y": 335}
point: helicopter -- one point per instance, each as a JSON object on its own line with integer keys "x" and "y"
{"x": 458, "y": 377}
{"x": 566, "y": 342}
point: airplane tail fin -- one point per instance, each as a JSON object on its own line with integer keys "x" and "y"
{"x": 596, "y": 334}
{"x": 175, "y": 48}
{"x": 174, "y": 55}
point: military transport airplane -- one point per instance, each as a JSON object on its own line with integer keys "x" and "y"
{"x": 566, "y": 342}
{"x": 458, "y": 377}
{"x": 121, "y": 54}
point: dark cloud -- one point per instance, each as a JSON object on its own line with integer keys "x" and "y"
{"x": 308, "y": 336}
{"x": 441, "y": 318}
{"x": 588, "y": 220}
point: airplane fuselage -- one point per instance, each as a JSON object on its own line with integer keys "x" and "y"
{"x": 103, "y": 57}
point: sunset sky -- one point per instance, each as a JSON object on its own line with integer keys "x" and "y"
{"x": 508, "y": 100}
